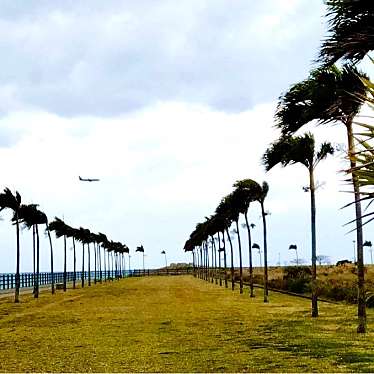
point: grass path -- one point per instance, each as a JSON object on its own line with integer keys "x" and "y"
{"x": 168, "y": 324}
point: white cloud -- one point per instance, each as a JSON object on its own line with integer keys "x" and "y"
{"x": 110, "y": 59}
{"x": 162, "y": 170}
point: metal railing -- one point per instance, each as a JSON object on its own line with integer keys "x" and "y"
{"x": 8, "y": 280}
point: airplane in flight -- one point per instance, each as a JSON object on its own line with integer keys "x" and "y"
{"x": 88, "y": 179}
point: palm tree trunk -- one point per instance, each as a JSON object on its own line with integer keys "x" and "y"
{"x": 219, "y": 259}
{"x": 50, "y": 245}
{"x": 212, "y": 254}
{"x": 224, "y": 259}
{"x": 314, "y": 249}
{"x": 215, "y": 261}
{"x": 240, "y": 258}
{"x": 197, "y": 258}
{"x": 207, "y": 260}
{"x": 89, "y": 264}
{"x": 65, "y": 263}
{"x": 36, "y": 295}
{"x": 265, "y": 254}
{"x": 205, "y": 266}
{"x": 75, "y": 264}
{"x": 104, "y": 266}
{"x": 250, "y": 256}
{"x": 201, "y": 261}
{"x": 361, "y": 302}
{"x": 99, "y": 252}
{"x": 108, "y": 265}
{"x": 34, "y": 258}
{"x": 95, "y": 251}
{"x": 82, "y": 275}
{"x": 232, "y": 261}
{"x": 18, "y": 283}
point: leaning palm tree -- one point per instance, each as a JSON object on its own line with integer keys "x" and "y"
{"x": 102, "y": 240}
{"x": 248, "y": 190}
{"x": 13, "y": 202}
{"x": 82, "y": 235}
{"x": 226, "y": 216}
{"x": 26, "y": 216}
{"x": 61, "y": 229}
{"x": 41, "y": 219}
{"x": 261, "y": 199}
{"x": 301, "y": 149}
{"x": 31, "y": 217}
{"x": 71, "y": 233}
{"x": 330, "y": 95}
{"x": 235, "y": 200}
{"x": 351, "y": 30}
{"x": 141, "y": 250}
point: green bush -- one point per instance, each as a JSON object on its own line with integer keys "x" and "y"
{"x": 300, "y": 285}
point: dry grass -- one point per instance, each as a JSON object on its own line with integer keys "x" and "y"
{"x": 174, "y": 324}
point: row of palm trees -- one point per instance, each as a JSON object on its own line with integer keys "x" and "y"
{"x": 111, "y": 252}
{"x": 218, "y": 225}
{"x": 330, "y": 94}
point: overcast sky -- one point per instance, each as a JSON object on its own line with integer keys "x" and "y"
{"x": 168, "y": 103}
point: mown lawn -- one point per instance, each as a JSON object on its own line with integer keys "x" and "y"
{"x": 173, "y": 324}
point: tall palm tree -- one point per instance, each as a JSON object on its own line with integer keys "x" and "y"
{"x": 61, "y": 229}
{"x": 81, "y": 236}
{"x": 41, "y": 219}
{"x": 126, "y": 249}
{"x": 102, "y": 240}
{"x": 141, "y": 250}
{"x": 301, "y": 149}
{"x": 261, "y": 199}
{"x": 13, "y": 202}
{"x": 351, "y": 30}
{"x": 26, "y": 216}
{"x": 72, "y": 233}
{"x": 330, "y": 95}
{"x": 226, "y": 215}
{"x": 248, "y": 191}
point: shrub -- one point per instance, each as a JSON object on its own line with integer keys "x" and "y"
{"x": 299, "y": 285}
{"x": 297, "y": 272}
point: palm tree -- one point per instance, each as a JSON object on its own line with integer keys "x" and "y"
{"x": 41, "y": 219}
{"x": 166, "y": 263}
{"x": 31, "y": 217}
{"x": 26, "y": 215}
{"x": 61, "y": 229}
{"x": 294, "y": 246}
{"x": 13, "y": 202}
{"x": 261, "y": 200}
{"x": 256, "y": 246}
{"x": 125, "y": 250}
{"x": 301, "y": 149}
{"x": 141, "y": 250}
{"x": 351, "y": 30}
{"x": 368, "y": 244}
{"x": 72, "y": 233}
{"x": 226, "y": 215}
{"x": 330, "y": 95}
{"x": 248, "y": 191}
{"x": 102, "y": 240}
{"x": 81, "y": 235}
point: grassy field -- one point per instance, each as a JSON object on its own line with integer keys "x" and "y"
{"x": 178, "y": 324}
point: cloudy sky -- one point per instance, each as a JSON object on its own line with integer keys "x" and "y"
{"x": 168, "y": 103}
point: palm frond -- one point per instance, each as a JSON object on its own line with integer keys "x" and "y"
{"x": 350, "y": 30}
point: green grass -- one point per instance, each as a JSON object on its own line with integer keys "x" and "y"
{"x": 173, "y": 324}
